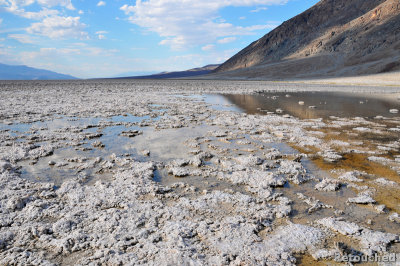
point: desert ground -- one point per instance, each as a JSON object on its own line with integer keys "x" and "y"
{"x": 186, "y": 172}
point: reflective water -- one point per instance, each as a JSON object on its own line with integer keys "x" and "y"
{"x": 312, "y": 105}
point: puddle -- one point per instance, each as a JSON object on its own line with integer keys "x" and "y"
{"x": 221, "y": 103}
{"x": 316, "y": 104}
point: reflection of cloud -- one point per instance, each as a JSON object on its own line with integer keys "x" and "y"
{"x": 166, "y": 144}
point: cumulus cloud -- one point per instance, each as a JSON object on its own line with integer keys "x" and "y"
{"x": 50, "y": 3}
{"x": 208, "y": 47}
{"x": 17, "y": 7}
{"x": 101, "y": 34}
{"x": 227, "y": 40}
{"x": 101, "y": 3}
{"x": 189, "y": 22}
{"x": 22, "y": 38}
{"x": 258, "y": 9}
{"x": 57, "y": 27}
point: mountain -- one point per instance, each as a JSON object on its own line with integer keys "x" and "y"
{"x": 9, "y": 72}
{"x": 178, "y": 74}
{"x": 332, "y": 38}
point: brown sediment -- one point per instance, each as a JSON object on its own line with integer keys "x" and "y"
{"x": 353, "y": 161}
{"x": 306, "y": 260}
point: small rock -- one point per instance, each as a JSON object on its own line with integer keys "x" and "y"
{"x": 362, "y": 198}
{"x": 145, "y": 152}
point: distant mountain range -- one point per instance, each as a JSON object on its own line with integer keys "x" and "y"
{"x": 332, "y": 38}
{"x": 178, "y": 74}
{"x": 9, "y": 72}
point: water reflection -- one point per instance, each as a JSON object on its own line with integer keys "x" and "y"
{"x": 317, "y": 104}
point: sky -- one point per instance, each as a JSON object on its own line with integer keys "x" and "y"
{"x": 89, "y": 39}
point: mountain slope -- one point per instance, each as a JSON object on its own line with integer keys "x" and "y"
{"x": 332, "y": 38}
{"x": 178, "y": 74}
{"x": 9, "y": 72}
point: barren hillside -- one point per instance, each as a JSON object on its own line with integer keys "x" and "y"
{"x": 332, "y": 38}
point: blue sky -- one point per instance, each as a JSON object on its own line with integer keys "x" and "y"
{"x": 107, "y": 38}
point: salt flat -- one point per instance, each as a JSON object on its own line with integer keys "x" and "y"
{"x": 171, "y": 172}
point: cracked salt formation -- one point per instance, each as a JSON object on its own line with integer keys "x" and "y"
{"x": 237, "y": 193}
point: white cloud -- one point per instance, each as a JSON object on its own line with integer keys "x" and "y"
{"x": 189, "y": 22}
{"x": 15, "y": 6}
{"x": 35, "y": 15}
{"x": 208, "y": 47}
{"x": 50, "y": 3}
{"x": 101, "y": 34}
{"x": 227, "y": 40}
{"x": 258, "y": 9}
{"x": 242, "y": 18}
{"x": 80, "y": 12}
{"x": 22, "y": 38}
{"x": 57, "y": 27}
{"x": 101, "y": 3}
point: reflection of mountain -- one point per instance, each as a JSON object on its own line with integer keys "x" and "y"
{"x": 326, "y": 104}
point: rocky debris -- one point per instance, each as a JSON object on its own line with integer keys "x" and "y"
{"x": 98, "y": 144}
{"x": 324, "y": 254}
{"x": 254, "y": 178}
{"x": 381, "y": 160}
{"x": 370, "y": 241}
{"x": 314, "y": 204}
{"x": 178, "y": 171}
{"x": 131, "y": 133}
{"x": 384, "y": 182}
{"x": 145, "y": 152}
{"x": 218, "y": 134}
{"x": 250, "y": 160}
{"x": 272, "y": 154}
{"x": 294, "y": 171}
{"x": 394, "y": 217}
{"x": 179, "y": 163}
{"x": 381, "y": 208}
{"x": 93, "y": 135}
{"x": 328, "y": 184}
{"x": 4, "y": 165}
{"x": 340, "y": 225}
{"x": 330, "y": 156}
{"x": 352, "y": 176}
{"x": 290, "y": 239}
{"x": 362, "y": 198}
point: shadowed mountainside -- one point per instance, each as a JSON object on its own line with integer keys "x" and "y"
{"x": 332, "y": 38}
